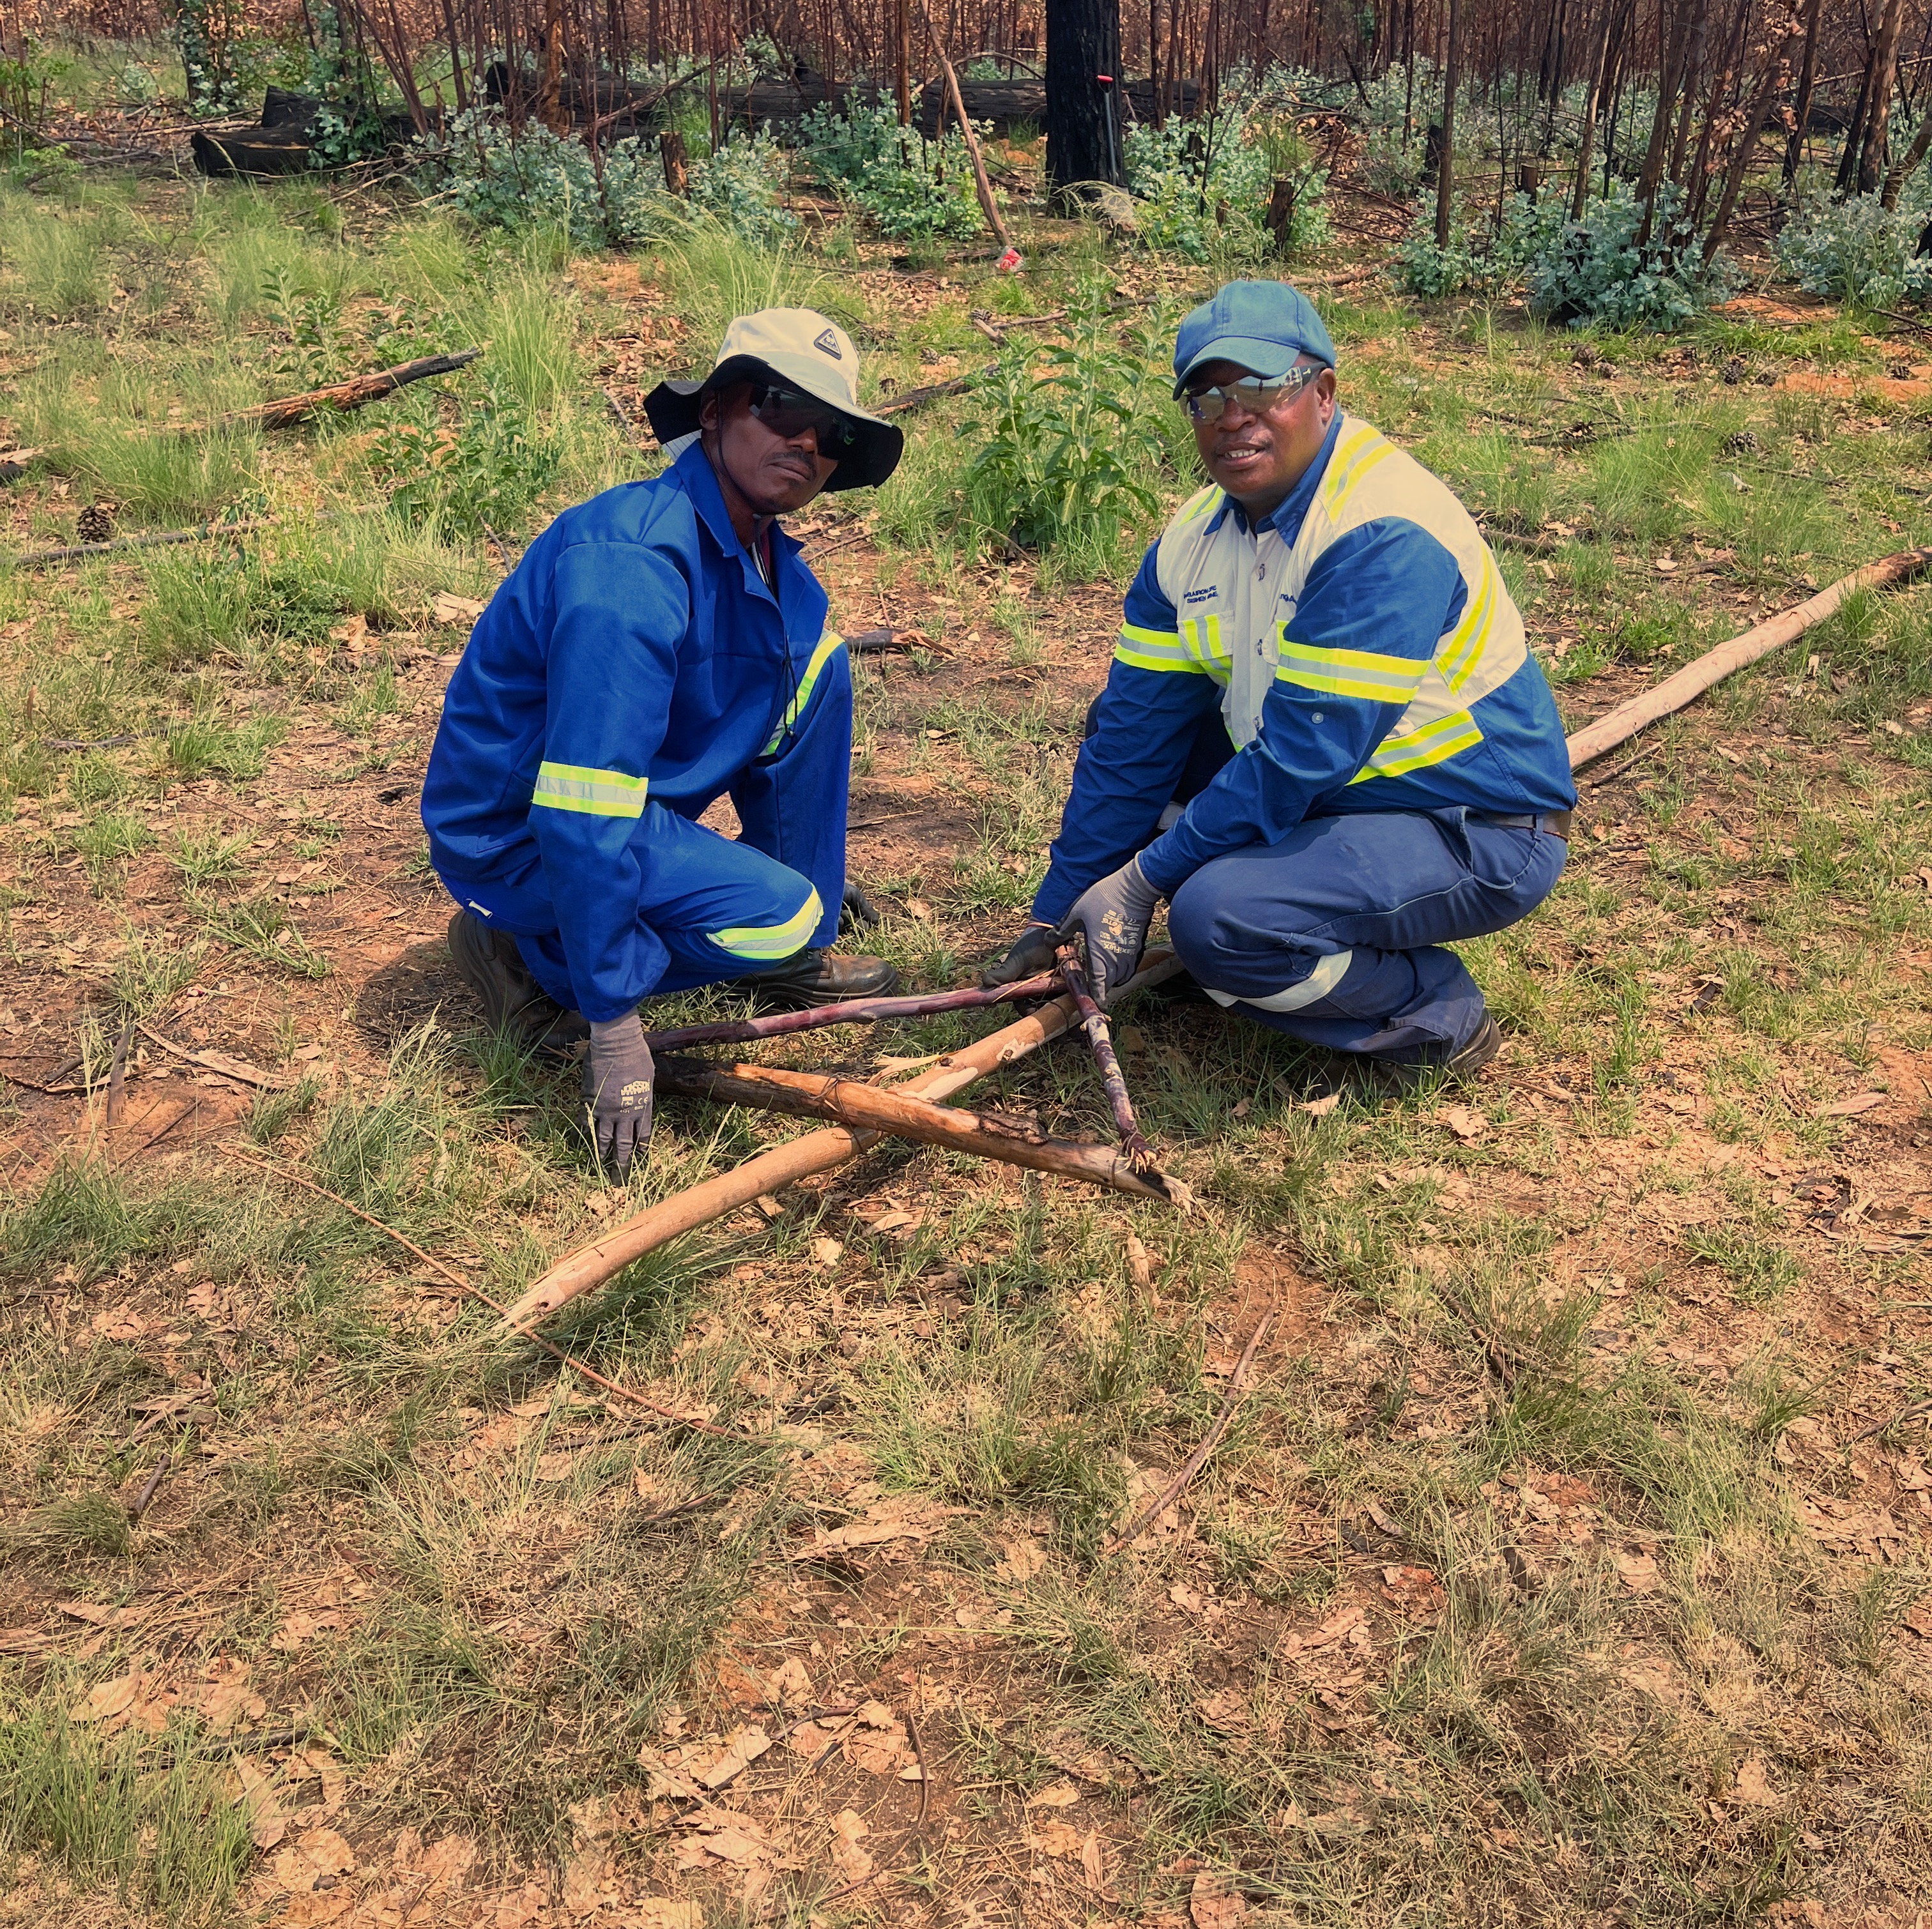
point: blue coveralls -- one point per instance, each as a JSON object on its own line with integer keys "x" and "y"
{"x": 1397, "y": 743}
{"x": 633, "y": 669}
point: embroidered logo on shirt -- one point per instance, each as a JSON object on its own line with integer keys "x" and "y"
{"x": 829, "y": 342}
{"x": 1200, "y": 595}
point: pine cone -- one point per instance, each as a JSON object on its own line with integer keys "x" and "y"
{"x": 96, "y": 524}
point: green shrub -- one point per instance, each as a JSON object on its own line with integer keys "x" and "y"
{"x": 1068, "y": 459}
{"x": 1204, "y": 198}
{"x": 909, "y": 186}
{"x": 1856, "y": 250}
{"x": 536, "y": 180}
{"x": 1592, "y": 273}
{"x": 480, "y": 474}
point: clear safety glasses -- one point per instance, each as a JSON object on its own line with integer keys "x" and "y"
{"x": 1256, "y": 394}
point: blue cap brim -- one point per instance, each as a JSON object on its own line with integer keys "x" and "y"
{"x": 1268, "y": 360}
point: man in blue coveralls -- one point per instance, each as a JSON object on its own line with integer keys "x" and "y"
{"x": 1324, "y": 739}
{"x": 658, "y": 647}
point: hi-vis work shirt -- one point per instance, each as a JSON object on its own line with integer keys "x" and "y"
{"x": 634, "y": 655}
{"x": 1363, "y": 653}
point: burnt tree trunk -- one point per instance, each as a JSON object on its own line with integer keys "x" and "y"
{"x": 1794, "y": 145}
{"x": 1445, "y": 172}
{"x": 1885, "y": 62}
{"x": 1083, "y": 42}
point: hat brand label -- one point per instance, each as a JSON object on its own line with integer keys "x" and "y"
{"x": 829, "y": 342}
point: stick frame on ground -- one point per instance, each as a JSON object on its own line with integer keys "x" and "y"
{"x": 607, "y": 1255}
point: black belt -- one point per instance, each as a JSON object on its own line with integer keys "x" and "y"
{"x": 1556, "y": 822}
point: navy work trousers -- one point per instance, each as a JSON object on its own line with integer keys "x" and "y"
{"x": 1337, "y": 935}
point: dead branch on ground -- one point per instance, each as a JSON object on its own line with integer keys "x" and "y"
{"x": 1196, "y": 1460}
{"x": 850, "y": 1102}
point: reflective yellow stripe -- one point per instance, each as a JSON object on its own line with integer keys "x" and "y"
{"x": 765, "y": 944}
{"x": 1198, "y": 503}
{"x": 1458, "y": 657}
{"x": 1151, "y": 649}
{"x": 1360, "y": 673}
{"x": 1202, "y": 636}
{"x": 830, "y": 642}
{"x": 1354, "y": 456}
{"x": 1435, "y": 742}
{"x": 600, "y": 793}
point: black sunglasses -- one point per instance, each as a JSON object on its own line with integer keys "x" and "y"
{"x": 788, "y": 413}
{"x": 1256, "y": 394}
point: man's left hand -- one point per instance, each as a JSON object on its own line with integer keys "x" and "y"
{"x": 1113, "y": 916}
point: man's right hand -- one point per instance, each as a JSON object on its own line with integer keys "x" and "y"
{"x": 1031, "y": 954}
{"x": 618, "y": 1075}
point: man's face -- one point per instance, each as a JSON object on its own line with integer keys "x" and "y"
{"x": 1258, "y": 458}
{"x": 775, "y": 474}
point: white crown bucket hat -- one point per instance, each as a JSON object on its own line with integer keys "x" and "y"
{"x": 801, "y": 349}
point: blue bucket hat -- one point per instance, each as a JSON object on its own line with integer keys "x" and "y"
{"x": 1263, "y": 325}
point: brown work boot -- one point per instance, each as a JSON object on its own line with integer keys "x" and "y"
{"x": 820, "y": 977}
{"x": 512, "y": 1000}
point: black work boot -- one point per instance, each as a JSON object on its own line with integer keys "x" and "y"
{"x": 1419, "y": 1074}
{"x": 820, "y": 977}
{"x": 513, "y": 1001}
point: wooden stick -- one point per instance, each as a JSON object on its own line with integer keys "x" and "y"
{"x": 1623, "y": 723}
{"x": 1196, "y": 1460}
{"x": 854, "y": 1012}
{"x": 156, "y": 539}
{"x": 987, "y": 205}
{"x": 118, "y": 1073}
{"x": 356, "y": 393}
{"x": 1138, "y": 1153}
{"x": 851, "y": 1102}
{"x": 456, "y": 1279}
{"x": 239, "y": 1069}
{"x": 915, "y": 398}
{"x": 590, "y": 1265}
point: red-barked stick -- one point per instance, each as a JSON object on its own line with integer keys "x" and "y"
{"x": 1138, "y": 1153}
{"x": 854, "y": 1012}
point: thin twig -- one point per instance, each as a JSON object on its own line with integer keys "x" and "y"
{"x": 919, "y": 1756}
{"x": 74, "y": 552}
{"x": 617, "y": 409}
{"x": 853, "y": 1012}
{"x": 117, "y": 1074}
{"x": 1133, "y": 1143}
{"x": 1196, "y": 1460}
{"x": 1898, "y": 1419}
{"x": 1616, "y": 770}
{"x": 150, "y": 1487}
{"x": 220, "y": 1061}
{"x": 455, "y": 1278}
{"x": 703, "y": 1501}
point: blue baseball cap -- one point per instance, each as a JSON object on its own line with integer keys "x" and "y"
{"x": 1263, "y": 325}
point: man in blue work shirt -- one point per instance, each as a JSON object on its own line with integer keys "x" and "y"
{"x": 658, "y": 647}
{"x": 1322, "y": 669}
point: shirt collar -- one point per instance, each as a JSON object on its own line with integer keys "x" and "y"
{"x": 1287, "y": 519}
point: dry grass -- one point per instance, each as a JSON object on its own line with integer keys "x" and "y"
{"x": 1567, "y": 1563}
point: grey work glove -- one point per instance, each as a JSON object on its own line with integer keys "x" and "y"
{"x": 1113, "y": 916}
{"x": 617, "y": 1077}
{"x": 1032, "y": 953}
